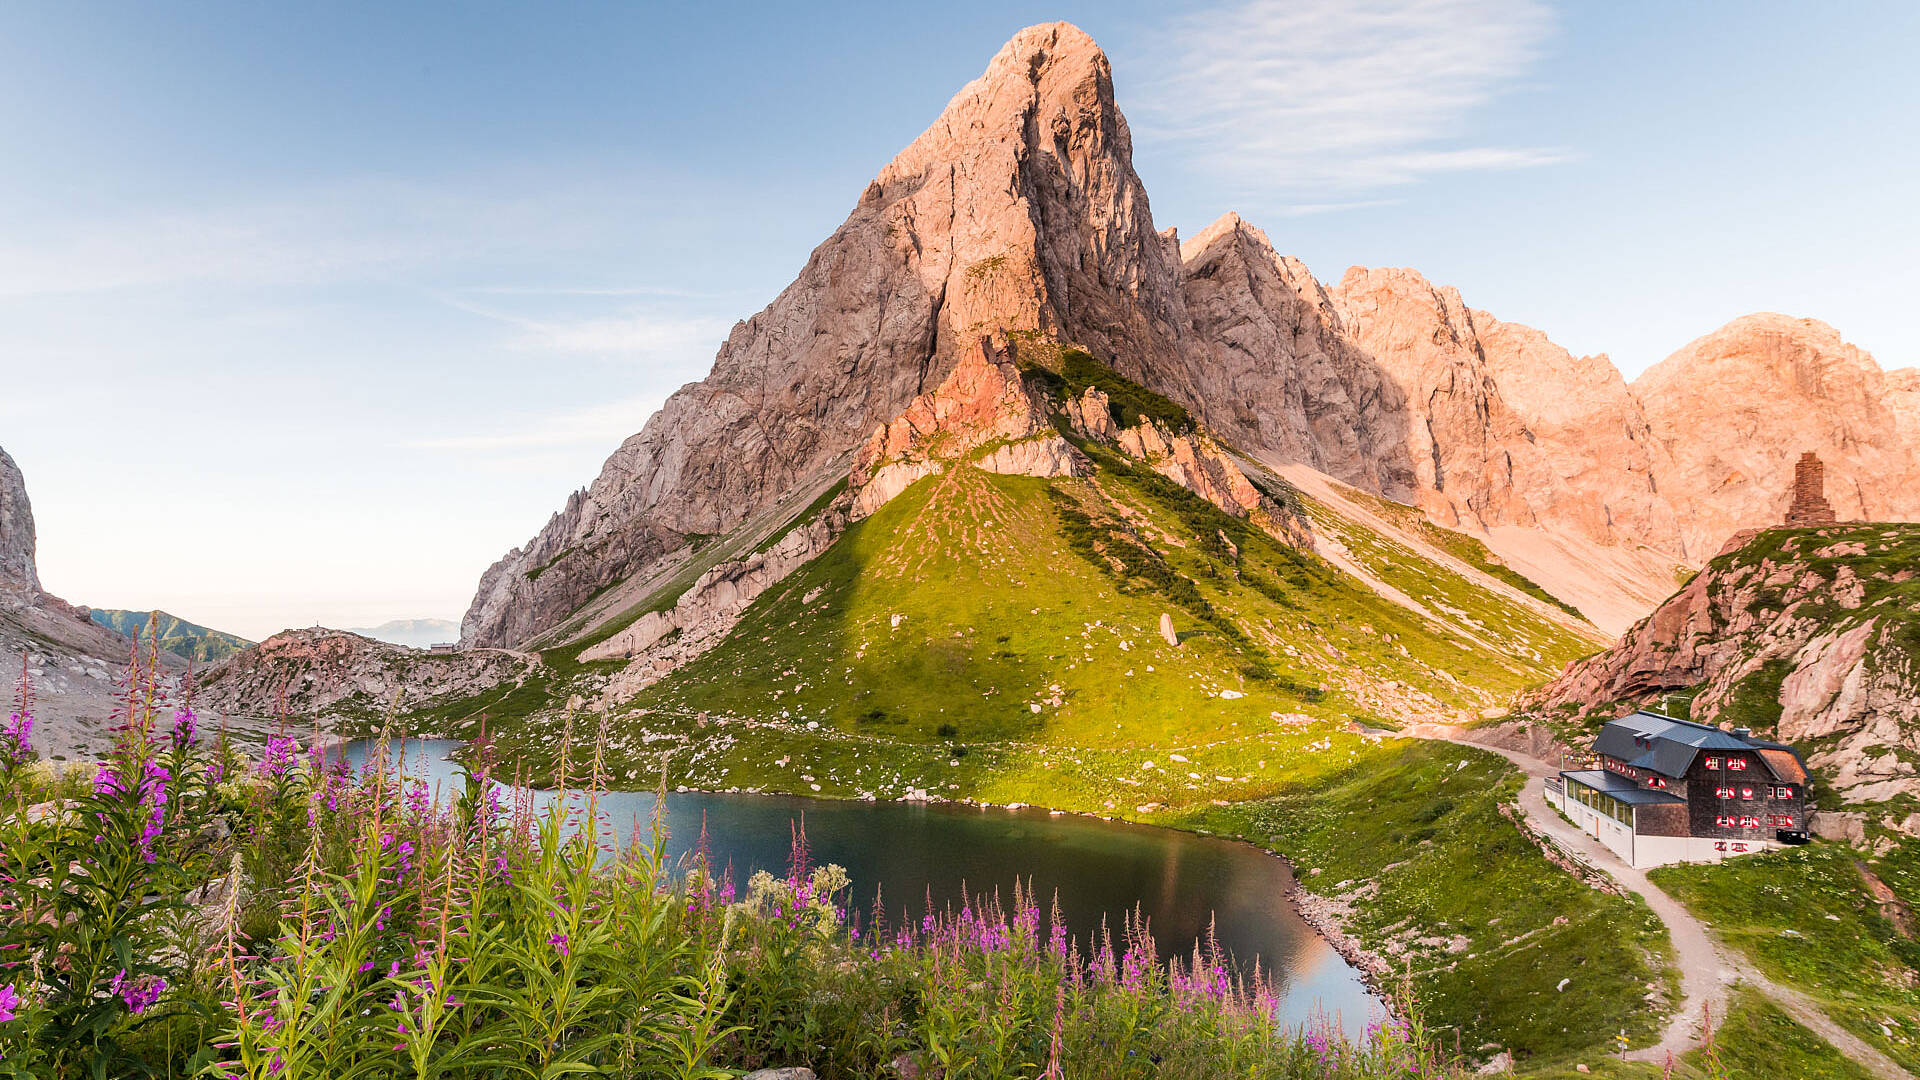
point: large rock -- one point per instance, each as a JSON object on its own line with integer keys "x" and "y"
{"x": 18, "y": 575}
{"x": 1018, "y": 208}
{"x": 311, "y": 672}
{"x": 983, "y": 403}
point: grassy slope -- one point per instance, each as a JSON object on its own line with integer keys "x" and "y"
{"x": 1006, "y": 601}
{"x": 1446, "y": 885}
{"x": 1888, "y": 549}
{"x": 1805, "y": 917}
{"x": 1467, "y": 549}
{"x": 177, "y": 636}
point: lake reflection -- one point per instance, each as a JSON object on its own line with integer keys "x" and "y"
{"x": 1100, "y": 870}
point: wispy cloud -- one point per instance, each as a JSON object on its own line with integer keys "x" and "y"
{"x": 674, "y": 336}
{"x": 604, "y": 424}
{"x": 1343, "y": 96}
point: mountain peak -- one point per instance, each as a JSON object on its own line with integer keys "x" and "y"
{"x": 1018, "y": 209}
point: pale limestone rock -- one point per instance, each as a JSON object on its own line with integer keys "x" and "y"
{"x": 1092, "y": 417}
{"x": 983, "y": 405}
{"x": 1045, "y": 456}
{"x": 663, "y": 640}
{"x": 1463, "y": 437}
{"x": 18, "y": 574}
{"x": 1017, "y": 208}
{"x": 1275, "y": 370}
{"x": 309, "y": 672}
{"x": 1736, "y": 409}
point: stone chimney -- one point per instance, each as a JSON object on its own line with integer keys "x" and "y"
{"x": 1810, "y": 506}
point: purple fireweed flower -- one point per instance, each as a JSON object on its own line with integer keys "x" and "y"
{"x": 183, "y": 727}
{"x": 9, "y": 1001}
{"x": 559, "y": 942}
{"x": 139, "y": 994}
{"x": 278, "y": 756}
{"x": 16, "y": 738}
{"x": 106, "y": 781}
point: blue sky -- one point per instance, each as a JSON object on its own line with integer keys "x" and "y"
{"x": 309, "y": 314}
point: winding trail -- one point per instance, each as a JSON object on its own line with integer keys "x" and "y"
{"x": 1707, "y": 970}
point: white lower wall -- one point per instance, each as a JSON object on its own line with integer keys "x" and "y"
{"x": 1641, "y": 851}
{"x": 1661, "y": 850}
{"x": 1617, "y": 837}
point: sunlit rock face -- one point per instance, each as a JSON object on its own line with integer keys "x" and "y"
{"x": 1017, "y": 209}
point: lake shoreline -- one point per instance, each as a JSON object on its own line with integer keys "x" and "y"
{"x": 1325, "y": 916}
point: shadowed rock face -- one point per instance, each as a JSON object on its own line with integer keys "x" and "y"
{"x": 1018, "y": 208}
{"x": 1273, "y": 370}
{"x": 17, "y": 572}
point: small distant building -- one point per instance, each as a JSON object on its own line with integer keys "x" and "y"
{"x": 444, "y": 646}
{"x": 1670, "y": 790}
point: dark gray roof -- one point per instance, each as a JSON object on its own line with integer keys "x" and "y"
{"x": 1620, "y": 787}
{"x": 1667, "y": 745}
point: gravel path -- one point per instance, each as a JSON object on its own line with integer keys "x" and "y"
{"x": 1707, "y": 970}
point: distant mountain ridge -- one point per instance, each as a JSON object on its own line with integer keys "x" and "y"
{"x": 413, "y": 633}
{"x": 1019, "y": 210}
{"x": 176, "y": 635}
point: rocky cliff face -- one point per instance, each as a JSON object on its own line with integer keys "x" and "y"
{"x": 985, "y": 404}
{"x": 18, "y": 575}
{"x": 1812, "y": 635}
{"x": 1018, "y": 211}
{"x": 1273, "y": 368}
{"x": 1017, "y": 208}
{"x": 305, "y": 672}
{"x": 1736, "y": 408}
{"x": 76, "y": 666}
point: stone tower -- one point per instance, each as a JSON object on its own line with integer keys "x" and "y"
{"x": 1810, "y": 506}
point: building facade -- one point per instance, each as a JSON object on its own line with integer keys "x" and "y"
{"x": 1667, "y": 790}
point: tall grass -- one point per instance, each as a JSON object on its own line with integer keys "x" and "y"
{"x": 190, "y": 912}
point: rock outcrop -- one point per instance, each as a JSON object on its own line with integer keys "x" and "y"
{"x": 19, "y": 577}
{"x": 303, "y": 673}
{"x": 1017, "y": 208}
{"x": 1810, "y": 635}
{"x": 983, "y": 410}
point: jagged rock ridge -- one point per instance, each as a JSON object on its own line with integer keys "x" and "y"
{"x": 1019, "y": 210}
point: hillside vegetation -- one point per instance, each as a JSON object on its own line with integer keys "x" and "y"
{"x": 175, "y": 635}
